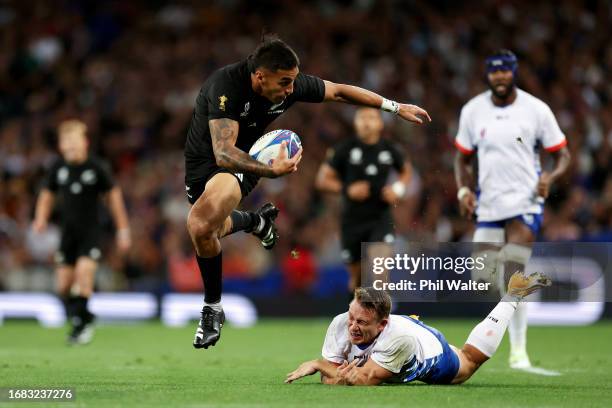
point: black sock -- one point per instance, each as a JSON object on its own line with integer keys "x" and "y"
{"x": 212, "y": 276}
{"x": 80, "y": 308}
{"x": 243, "y": 221}
{"x": 68, "y": 302}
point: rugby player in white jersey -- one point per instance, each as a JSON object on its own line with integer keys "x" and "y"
{"x": 368, "y": 346}
{"x": 505, "y": 128}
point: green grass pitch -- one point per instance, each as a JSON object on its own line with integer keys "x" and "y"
{"x": 154, "y": 366}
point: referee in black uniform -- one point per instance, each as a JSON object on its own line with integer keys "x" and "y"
{"x": 359, "y": 168}
{"x": 233, "y": 109}
{"x": 79, "y": 182}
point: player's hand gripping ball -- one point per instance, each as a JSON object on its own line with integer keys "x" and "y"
{"x": 267, "y": 147}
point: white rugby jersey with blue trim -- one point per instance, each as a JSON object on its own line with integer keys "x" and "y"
{"x": 507, "y": 141}
{"x": 404, "y": 347}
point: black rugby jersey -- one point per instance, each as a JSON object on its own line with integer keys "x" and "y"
{"x": 354, "y": 160}
{"x": 78, "y": 189}
{"x": 228, "y": 93}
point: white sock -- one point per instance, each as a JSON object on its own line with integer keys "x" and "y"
{"x": 517, "y": 329}
{"x": 217, "y": 307}
{"x": 487, "y": 334}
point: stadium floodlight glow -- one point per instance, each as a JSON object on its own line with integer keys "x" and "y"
{"x": 179, "y": 309}
{"x": 589, "y": 305}
{"x": 44, "y": 307}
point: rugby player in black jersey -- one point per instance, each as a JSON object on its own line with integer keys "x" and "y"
{"x": 359, "y": 168}
{"x": 233, "y": 109}
{"x": 79, "y": 182}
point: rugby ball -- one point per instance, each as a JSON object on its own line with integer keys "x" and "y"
{"x": 267, "y": 147}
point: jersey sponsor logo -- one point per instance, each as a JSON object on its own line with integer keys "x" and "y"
{"x": 245, "y": 112}
{"x": 187, "y": 188}
{"x": 89, "y": 177}
{"x": 62, "y": 175}
{"x": 384, "y": 157}
{"x": 355, "y": 155}
{"x": 274, "y": 112}
{"x": 222, "y": 100}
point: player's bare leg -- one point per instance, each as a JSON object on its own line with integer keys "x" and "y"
{"x": 208, "y": 220}
{"x": 485, "y": 338}
{"x": 82, "y": 320}
{"x": 212, "y": 217}
{"x": 514, "y": 256}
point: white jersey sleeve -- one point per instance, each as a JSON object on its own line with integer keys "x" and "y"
{"x": 464, "y": 141}
{"x": 549, "y": 132}
{"x": 394, "y": 352}
{"x": 337, "y": 345}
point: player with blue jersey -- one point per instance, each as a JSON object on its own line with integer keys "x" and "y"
{"x": 369, "y": 346}
{"x": 506, "y": 128}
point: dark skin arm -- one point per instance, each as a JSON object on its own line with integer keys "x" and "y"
{"x": 224, "y": 133}
{"x": 464, "y": 176}
{"x": 562, "y": 159}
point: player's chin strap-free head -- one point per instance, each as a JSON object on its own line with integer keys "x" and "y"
{"x": 502, "y": 60}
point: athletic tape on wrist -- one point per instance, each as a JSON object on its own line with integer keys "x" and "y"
{"x": 390, "y": 106}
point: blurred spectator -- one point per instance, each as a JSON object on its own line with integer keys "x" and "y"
{"x": 132, "y": 70}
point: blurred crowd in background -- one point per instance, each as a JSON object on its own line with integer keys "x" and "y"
{"x": 132, "y": 70}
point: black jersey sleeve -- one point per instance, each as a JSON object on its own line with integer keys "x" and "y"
{"x": 397, "y": 155}
{"x": 308, "y": 88}
{"x": 223, "y": 98}
{"x": 105, "y": 176}
{"x": 50, "y": 179}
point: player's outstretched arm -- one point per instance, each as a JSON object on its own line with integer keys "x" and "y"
{"x": 369, "y": 374}
{"x": 119, "y": 213}
{"x": 327, "y": 180}
{"x": 44, "y": 205}
{"x": 224, "y": 133}
{"x": 362, "y": 97}
{"x": 326, "y": 368}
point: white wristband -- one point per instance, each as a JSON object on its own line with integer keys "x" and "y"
{"x": 399, "y": 189}
{"x": 390, "y": 106}
{"x": 463, "y": 191}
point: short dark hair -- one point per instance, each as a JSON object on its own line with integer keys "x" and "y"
{"x": 378, "y": 301}
{"x": 274, "y": 54}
